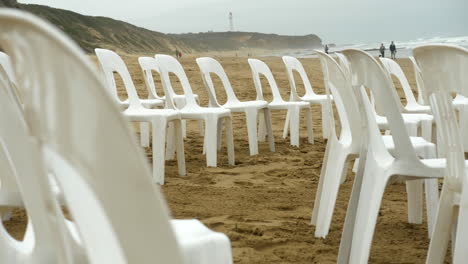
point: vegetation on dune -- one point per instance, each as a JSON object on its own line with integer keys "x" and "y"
{"x": 92, "y": 32}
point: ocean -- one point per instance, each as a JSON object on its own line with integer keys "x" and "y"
{"x": 404, "y": 48}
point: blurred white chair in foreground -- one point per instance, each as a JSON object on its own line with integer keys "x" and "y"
{"x": 250, "y": 108}
{"x": 259, "y": 68}
{"x": 214, "y": 118}
{"x": 292, "y": 64}
{"x": 159, "y": 118}
{"x": 25, "y": 185}
{"x": 120, "y": 215}
{"x": 444, "y": 71}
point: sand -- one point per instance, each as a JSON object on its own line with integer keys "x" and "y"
{"x": 264, "y": 203}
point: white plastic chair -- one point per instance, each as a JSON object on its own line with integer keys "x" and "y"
{"x": 460, "y": 103}
{"x": 148, "y": 65}
{"x": 120, "y": 216}
{"x": 24, "y": 184}
{"x": 444, "y": 69}
{"x": 250, "y": 108}
{"x": 292, "y": 64}
{"x": 214, "y": 118}
{"x": 259, "y": 68}
{"x": 159, "y": 118}
{"x": 412, "y": 106}
{"x": 127, "y": 79}
{"x": 347, "y": 146}
{"x": 380, "y": 165}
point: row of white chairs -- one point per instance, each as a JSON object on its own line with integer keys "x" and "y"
{"x": 64, "y": 142}
{"x": 399, "y": 154}
{"x": 182, "y": 107}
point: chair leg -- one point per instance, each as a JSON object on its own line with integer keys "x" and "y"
{"x": 318, "y": 192}
{"x": 331, "y": 184}
{"x": 460, "y": 254}
{"x": 184, "y": 128}
{"x": 414, "y": 191}
{"x": 251, "y": 118}
{"x": 179, "y": 142}
{"x": 262, "y": 130}
{"x": 442, "y": 228}
{"x": 432, "y": 201}
{"x": 144, "y": 134}
{"x": 373, "y": 187}
{"x": 230, "y": 140}
{"x": 286, "y": 125}
{"x": 325, "y": 120}
{"x": 171, "y": 142}
{"x": 267, "y": 119}
{"x": 211, "y": 141}
{"x": 220, "y": 134}
{"x": 462, "y": 117}
{"x": 310, "y": 129}
{"x": 294, "y": 119}
{"x": 159, "y": 147}
{"x": 350, "y": 219}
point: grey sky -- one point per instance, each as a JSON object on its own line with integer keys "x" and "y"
{"x": 339, "y": 21}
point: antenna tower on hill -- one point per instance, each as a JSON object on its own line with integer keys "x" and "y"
{"x": 231, "y": 22}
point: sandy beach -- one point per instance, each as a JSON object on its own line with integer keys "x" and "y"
{"x": 264, "y": 203}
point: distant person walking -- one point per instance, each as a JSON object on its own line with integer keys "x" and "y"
{"x": 393, "y": 50}
{"x": 326, "y": 48}
{"x": 382, "y": 50}
{"x": 177, "y": 53}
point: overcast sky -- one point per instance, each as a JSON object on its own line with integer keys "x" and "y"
{"x": 337, "y": 21}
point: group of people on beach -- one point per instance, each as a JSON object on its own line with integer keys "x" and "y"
{"x": 382, "y": 49}
{"x": 392, "y": 50}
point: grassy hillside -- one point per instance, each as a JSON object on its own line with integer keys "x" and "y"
{"x": 236, "y": 40}
{"x": 91, "y": 32}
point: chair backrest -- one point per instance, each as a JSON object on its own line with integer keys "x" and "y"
{"x": 370, "y": 74}
{"x": 168, "y": 64}
{"x": 343, "y": 62}
{"x": 24, "y": 183}
{"x": 112, "y": 63}
{"x": 148, "y": 65}
{"x": 207, "y": 66}
{"x": 419, "y": 82}
{"x": 292, "y": 64}
{"x": 259, "y": 67}
{"x": 338, "y": 83}
{"x": 5, "y": 62}
{"x": 394, "y": 69}
{"x": 444, "y": 70}
{"x": 89, "y": 146}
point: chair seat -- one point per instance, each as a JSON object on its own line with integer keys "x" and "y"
{"x": 438, "y": 163}
{"x": 144, "y": 114}
{"x": 201, "y": 245}
{"x": 240, "y": 106}
{"x": 316, "y": 98}
{"x": 423, "y": 148}
{"x": 286, "y": 105}
{"x": 407, "y": 118}
{"x": 417, "y": 108}
{"x": 194, "y": 110}
{"x": 147, "y": 103}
